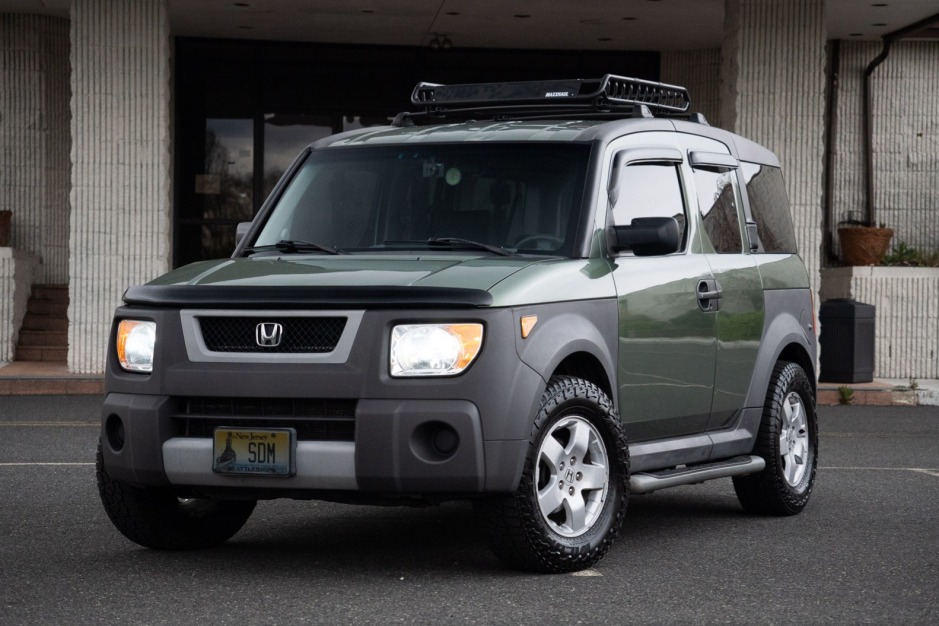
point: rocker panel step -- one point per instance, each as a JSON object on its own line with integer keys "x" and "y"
{"x": 646, "y": 482}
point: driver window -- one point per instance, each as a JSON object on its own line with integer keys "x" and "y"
{"x": 650, "y": 190}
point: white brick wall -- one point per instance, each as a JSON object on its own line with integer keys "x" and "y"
{"x": 773, "y": 92}
{"x": 34, "y": 136}
{"x": 905, "y": 90}
{"x": 906, "y": 320}
{"x": 121, "y": 185}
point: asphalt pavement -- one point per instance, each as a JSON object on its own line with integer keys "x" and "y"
{"x": 865, "y": 550}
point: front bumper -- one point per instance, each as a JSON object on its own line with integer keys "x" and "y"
{"x": 394, "y": 451}
{"x": 149, "y": 439}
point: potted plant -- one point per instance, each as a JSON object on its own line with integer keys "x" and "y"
{"x": 862, "y": 243}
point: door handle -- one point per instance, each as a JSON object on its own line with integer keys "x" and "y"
{"x": 709, "y": 293}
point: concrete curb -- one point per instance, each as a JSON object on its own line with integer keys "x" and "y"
{"x": 880, "y": 392}
{"x": 26, "y": 378}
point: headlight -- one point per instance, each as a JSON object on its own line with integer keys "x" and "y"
{"x": 434, "y": 349}
{"x": 135, "y": 341}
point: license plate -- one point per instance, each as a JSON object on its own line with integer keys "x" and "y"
{"x": 255, "y": 452}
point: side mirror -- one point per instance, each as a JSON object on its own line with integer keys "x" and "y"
{"x": 240, "y": 231}
{"x": 647, "y": 236}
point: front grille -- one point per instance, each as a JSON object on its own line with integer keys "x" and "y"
{"x": 300, "y": 334}
{"x": 313, "y": 419}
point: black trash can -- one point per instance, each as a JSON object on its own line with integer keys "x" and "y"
{"x": 846, "y": 341}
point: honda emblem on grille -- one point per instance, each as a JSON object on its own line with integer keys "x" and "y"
{"x": 268, "y": 334}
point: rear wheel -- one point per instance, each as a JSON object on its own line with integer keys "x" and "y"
{"x": 788, "y": 441}
{"x": 157, "y": 518}
{"x": 570, "y": 503}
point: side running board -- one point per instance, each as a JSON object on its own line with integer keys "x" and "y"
{"x": 646, "y": 482}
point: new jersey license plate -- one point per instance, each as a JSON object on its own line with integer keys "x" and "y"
{"x": 254, "y": 452}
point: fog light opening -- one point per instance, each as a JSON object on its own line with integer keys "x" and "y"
{"x": 445, "y": 440}
{"x": 434, "y": 442}
{"x": 114, "y": 430}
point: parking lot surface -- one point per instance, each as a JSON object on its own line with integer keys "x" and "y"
{"x": 866, "y": 549}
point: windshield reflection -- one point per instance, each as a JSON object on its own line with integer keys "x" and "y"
{"x": 518, "y": 197}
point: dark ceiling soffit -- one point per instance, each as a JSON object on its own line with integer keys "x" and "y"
{"x": 912, "y": 29}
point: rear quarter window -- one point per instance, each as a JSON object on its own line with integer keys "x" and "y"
{"x": 717, "y": 202}
{"x": 769, "y": 205}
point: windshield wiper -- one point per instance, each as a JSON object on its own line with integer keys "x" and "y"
{"x": 292, "y": 246}
{"x": 469, "y": 243}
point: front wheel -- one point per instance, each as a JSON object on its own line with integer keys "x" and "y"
{"x": 157, "y": 518}
{"x": 788, "y": 441}
{"x": 570, "y": 503}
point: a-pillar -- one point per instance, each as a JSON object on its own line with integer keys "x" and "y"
{"x": 773, "y": 92}
{"x": 121, "y": 185}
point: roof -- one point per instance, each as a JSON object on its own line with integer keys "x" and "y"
{"x": 470, "y": 131}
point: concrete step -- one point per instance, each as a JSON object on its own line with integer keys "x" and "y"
{"x": 58, "y": 308}
{"x": 50, "y": 292}
{"x": 45, "y": 322}
{"x": 41, "y": 353}
{"x": 43, "y": 339}
{"x": 44, "y": 334}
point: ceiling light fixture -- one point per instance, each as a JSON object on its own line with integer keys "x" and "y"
{"x": 440, "y": 41}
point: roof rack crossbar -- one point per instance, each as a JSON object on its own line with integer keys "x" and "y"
{"x": 609, "y": 93}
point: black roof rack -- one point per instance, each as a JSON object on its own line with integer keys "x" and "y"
{"x": 610, "y": 96}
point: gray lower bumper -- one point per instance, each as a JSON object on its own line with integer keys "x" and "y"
{"x": 319, "y": 464}
{"x": 404, "y": 446}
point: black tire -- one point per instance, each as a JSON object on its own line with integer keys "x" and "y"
{"x": 156, "y": 518}
{"x": 520, "y": 533}
{"x": 785, "y": 484}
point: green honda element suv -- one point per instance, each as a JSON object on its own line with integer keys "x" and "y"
{"x": 545, "y": 297}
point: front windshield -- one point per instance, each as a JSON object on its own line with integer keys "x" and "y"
{"x": 521, "y": 197}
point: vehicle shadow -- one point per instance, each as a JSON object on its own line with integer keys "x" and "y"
{"x": 285, "y": 538}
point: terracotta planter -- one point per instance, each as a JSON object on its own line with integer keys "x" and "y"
{"x": 864, "y": 245}
{"x": 6, "y": 219}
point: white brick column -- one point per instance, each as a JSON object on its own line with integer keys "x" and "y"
{"x": 121, "y": 187}
{"x": 699, "y": 72}
{"x": 34, "y": 138}
{"x": 773, "y": 92}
